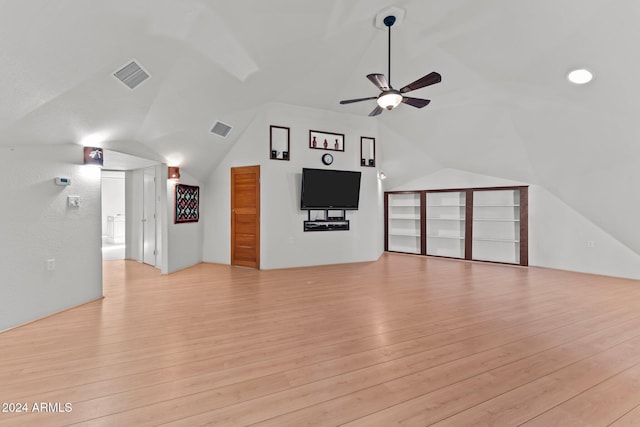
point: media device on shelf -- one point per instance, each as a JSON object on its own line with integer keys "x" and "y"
{"x": 324, "y": 189}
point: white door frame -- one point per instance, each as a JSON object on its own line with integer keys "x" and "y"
{"x": 149, "y": 216}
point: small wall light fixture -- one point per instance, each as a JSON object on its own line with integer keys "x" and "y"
{"x": 173, "y": 172}
{"x": 382, "y": 175}
{"x": 93, "y": 156}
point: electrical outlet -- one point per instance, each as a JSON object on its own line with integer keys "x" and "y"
{"x": 591, "y": 244}
{"x": 51, "y": 264}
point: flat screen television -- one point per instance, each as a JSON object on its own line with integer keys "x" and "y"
{"x": 329, "y": 189}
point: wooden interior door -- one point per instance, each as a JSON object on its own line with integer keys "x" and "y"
{"x": 245, "y": 216}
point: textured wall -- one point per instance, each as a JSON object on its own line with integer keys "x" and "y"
{"x": 36, "y": 225}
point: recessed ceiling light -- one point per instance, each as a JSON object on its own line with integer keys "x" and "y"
{"x": 580, "y": 76}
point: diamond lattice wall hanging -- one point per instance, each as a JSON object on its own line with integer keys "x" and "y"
{"x": 187, "y": 203}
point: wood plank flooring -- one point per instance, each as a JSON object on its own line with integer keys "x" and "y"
{"x": 406, "y": 340}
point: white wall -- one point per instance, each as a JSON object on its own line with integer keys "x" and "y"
{"x": 558, "y": 237}
{"x": 113, "y": 196}
{"x": 452, "y": 178}
{"x": 406, "y": 160}
{"x": 558, "y": 234}
{"x": 185, "y": 239}
{"x": 283, "y": 242}
{"x": 36, "y": 225}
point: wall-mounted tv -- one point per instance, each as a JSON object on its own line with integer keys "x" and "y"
{"x": 329, "y": 189}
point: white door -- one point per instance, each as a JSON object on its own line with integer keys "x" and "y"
{"x": 149, "y": 216}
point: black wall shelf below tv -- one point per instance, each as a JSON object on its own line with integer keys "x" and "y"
{"x": 328, "y": 223}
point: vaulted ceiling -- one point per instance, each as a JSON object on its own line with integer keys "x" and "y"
{"x": 504, "y": 106}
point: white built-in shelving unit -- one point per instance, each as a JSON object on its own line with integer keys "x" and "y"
{"x": 483, "y": 224}
{"x": 496, "y": 226}
{"x": 404, "y": 223}
{"x": 446, "y": 223}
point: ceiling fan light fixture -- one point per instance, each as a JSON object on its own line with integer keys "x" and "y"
{"x": 389, "y": 99}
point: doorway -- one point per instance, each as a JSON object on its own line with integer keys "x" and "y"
{"x": 143, "y": 207}
{"x": 245, "y": 216}
{"x": 113, "y": 215}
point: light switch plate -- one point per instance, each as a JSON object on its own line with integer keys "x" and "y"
{"x": 73, "y": 201}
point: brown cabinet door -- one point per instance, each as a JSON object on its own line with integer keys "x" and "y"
{"x": 245, "y": 216}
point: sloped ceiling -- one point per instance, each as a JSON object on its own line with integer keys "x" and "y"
{"x": 504, "y": 107}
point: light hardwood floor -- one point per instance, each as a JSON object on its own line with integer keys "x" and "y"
{"x": 406, "y": 340}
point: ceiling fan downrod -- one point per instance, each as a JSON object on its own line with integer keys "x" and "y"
{"x": 389, "y": 21}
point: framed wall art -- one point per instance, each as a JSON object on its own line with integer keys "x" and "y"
{"x": 187, "y": 207}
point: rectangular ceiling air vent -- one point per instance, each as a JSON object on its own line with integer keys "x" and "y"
{"x": 131, "y": 75}
{"x": 221, "y": 129}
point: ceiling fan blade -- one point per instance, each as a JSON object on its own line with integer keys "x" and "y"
{"x": 379, "y": 80}
{"x": 415, "y": 102}
{"x": 349, "y": 101}
{"x": 376, "y": 111}
{"x": 429, "y": 79}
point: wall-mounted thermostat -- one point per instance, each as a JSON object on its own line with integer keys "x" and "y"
{"x": 63, "y": 181}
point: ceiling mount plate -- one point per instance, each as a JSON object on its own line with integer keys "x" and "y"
{"x": 395, "y": 11}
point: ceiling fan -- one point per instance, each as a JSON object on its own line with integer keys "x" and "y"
{"x": 390, "y": 98}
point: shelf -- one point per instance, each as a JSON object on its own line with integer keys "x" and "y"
{"x": 503, "y": 259}
{"x": 487, "y": 239}
{"x": 444, "y": 219}
{"x": 367, "y": 151}
{"x": 322, "y": 140}
{"x": 400, "y": 216}
{"x": 497, "y": 219}
{"x": 404, "y": 233}
{"x": 446, "y": 206}
{"x": 326, "y": 225}
{"x": 435, "y": 236}
{"x": 408, "y": 204}
{"x": 406, "y": 250}
{"x": 279, "y": 142}
{"x": 495, "y": 206}
{"x": 451, "y": 253}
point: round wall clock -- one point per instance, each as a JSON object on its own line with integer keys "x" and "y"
{"x": 327, "y": 159}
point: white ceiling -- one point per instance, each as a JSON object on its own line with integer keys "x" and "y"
{"x": 504, "y": 106}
